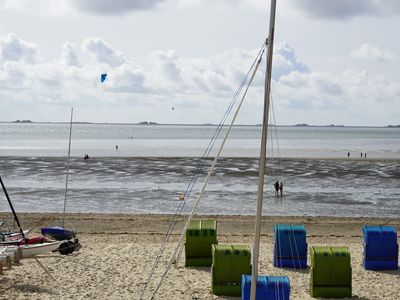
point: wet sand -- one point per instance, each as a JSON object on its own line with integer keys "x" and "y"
{"x": 119, "y": 250}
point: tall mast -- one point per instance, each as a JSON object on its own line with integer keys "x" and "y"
{"x": 263, "y": 152}
{"x": 69, "y": 155}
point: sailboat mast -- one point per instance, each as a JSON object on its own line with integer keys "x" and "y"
{"x": 12, "y": 209}
{"x": 263, "y": 152}
{"x": 69, "y": 155}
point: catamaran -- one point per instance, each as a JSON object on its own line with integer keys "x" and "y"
{"x": 30, "y": 246}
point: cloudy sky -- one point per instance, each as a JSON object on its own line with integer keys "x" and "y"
{"x": 335, "y": 61}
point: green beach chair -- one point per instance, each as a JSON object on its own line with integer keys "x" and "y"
{"x": 200, "y": 235}
{"x": 330, "y": 275}
{"x": 229, "y": 263}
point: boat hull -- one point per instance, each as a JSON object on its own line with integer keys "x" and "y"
{"x": 37, "y": 249}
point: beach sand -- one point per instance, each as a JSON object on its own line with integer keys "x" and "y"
{"x": 119, "y": 250}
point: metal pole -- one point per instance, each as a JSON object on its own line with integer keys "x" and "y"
{"x": 12, "y": 209}
{"x": 263, "y": 152}
{"x": 69, "y": 154}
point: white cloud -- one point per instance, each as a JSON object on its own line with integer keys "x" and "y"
{"x": 115, "y": 7}
{"x": 41, "y": 7}
{"x": 285, "y": 61}
{"x": 69, "y": 56}
{"x": 371, "y": 52}
{"x": 12, "y": 48}
{"x": 351, "y": 98}
{"x": 166, "y": 66}
{"x": 199, "y": 88}
{"x": 56, "y": 8}
{"x": 327, "y": 9}
{"x": 13, "y": 75}
{"x": 346, "y": 9}
{"x": 127, "y": 78}
{"x": 102, "y": 52}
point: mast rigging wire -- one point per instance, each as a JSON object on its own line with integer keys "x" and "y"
{"x": 198, "y": 169}
{"x": 175, "y": 257}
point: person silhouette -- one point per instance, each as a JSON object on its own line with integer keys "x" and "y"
{"x": 276, "y": 185}
{"x": 281, "y": 188}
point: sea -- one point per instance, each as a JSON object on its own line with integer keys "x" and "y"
{"x": 325, "y": 171}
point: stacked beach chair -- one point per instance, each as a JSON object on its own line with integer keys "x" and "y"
{"x": 268, "y": 287}
{"x": 229, "y": 263}
{"x": 200, "y": 235}
{"x": 381, "y": 251}
{"x": 330, "y": 274}
{"x": 9, "y": 255}
{"x": 290, "y": 249}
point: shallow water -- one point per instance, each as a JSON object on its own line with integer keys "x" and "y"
{"x": 331, "y": 187}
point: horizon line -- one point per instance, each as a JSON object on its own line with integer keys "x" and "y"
{"x": 149, "y": 123}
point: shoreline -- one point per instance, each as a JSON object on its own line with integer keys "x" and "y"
{"x": 120, "y": 223}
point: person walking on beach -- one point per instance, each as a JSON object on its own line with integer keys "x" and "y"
{"x": 365, "y": 155}
{"x": 276, "y": 185}
{"x": 116, "y": 147}
{"x": 361, "y": 154}
{"x": 348, "y": 154}
{"x": 281, "y": 188}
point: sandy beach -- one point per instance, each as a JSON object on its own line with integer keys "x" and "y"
{"x": 119, "y": 250}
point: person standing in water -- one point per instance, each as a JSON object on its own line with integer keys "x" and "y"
{"x": 276, "y": 185}
{"x": 281, "y": 188}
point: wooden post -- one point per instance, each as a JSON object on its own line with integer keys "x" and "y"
{"x": 16, "y": 256}
{"x": 19, "y": 250}
{"x": 9, "y": 262}
{"x": 6, "y": 260}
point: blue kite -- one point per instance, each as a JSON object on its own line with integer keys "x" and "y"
{"x": 103, "y": 77}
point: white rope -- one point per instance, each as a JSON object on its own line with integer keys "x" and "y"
{"x": 195, "y": 177}
{"x": 175, "y": 257}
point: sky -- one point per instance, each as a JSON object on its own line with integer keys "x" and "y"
{"x": 181, "y": 61}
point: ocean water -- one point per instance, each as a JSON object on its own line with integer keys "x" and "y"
{"x": 99, "y": 140}
{"x": 154, "y": 164}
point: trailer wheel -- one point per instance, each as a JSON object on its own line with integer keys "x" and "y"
{"x": 71, "y": 247}
{"x": 64, "y": 248}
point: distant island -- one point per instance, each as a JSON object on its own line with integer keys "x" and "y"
{"x": 308, "y": 125}
{"x": 147, "y": 123}
{"x": 22, "y": 121}
{"x": 393, "y": 126}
